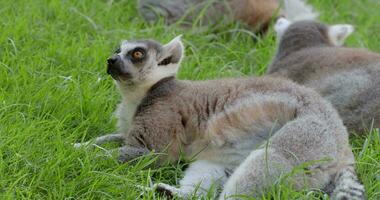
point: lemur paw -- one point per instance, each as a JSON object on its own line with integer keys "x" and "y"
{"x": 168, "y": 190}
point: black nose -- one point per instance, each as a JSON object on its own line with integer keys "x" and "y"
{"x": 114, "y": 65}
{"x": 112, "y": 60}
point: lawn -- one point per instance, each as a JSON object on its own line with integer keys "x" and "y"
{"x": 54, "y": 91}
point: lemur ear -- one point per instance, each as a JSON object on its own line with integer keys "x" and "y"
{"x": 280, "y": 27}
{"x": 339, "y": 33}
{"x": 172, "y": 52}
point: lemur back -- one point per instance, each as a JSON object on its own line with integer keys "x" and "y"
{"x": 244, "y": 134}
{"x": 310, "y": 54}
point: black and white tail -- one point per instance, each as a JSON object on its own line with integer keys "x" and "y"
{"x": 348, "y": 186}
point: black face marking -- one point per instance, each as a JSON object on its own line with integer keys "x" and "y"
{"x": 166, "y": 61}
{"x": 136, "y": 55}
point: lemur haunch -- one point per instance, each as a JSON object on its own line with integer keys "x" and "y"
{"x": 310, "y": 53}
{"x": 245, "y": 134}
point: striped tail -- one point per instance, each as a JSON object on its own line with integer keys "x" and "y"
{"x": 348, "y": 186}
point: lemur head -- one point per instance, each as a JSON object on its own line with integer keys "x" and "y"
{"x": 303, "y": 34}
{"x": 142, "y": 63}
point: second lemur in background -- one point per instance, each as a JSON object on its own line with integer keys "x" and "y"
{"x": 311, "y": 53}
{"x": 255, "y": 13}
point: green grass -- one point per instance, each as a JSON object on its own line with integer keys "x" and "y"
{"x": 54, "y": 91}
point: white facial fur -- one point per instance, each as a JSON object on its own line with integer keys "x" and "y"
{"x": 339, "y": 33}
{"x": 150, "y": 71}
{"x": 280, "y": 27}
{"x": 173, "y": 48}
{"x": 152, "y": 74}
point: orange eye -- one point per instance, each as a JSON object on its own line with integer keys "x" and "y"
{"x": 137, "y": 55}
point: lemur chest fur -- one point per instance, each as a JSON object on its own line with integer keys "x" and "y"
{"x": 127, "y": 108}
{"x": 125, "y": 112}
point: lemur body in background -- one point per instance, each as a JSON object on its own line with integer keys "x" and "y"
{"x": 244, "y": 134}
{"x": 310, "y": 54}
{"x": 255, "y": 13}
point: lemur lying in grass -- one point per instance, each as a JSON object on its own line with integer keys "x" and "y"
{"x": 256, "y": 13}
{"x": 310, "y": 53}
{"x": 246, "y": 134}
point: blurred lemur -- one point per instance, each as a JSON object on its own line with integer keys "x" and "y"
{"x": 245, "y": 134}
{"x": 255, "y": 13}
{"x": 310, "y": 53}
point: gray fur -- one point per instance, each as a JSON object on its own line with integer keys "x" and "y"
{"x": 348, "y": 186}
{"x": 259, "y": 129}
{"x": 349, "y": 78}
{"x": 117, "y": 137}
{"x": 255, "y": 13}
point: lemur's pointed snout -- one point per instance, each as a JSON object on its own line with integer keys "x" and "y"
{"x": 114, "y": 65}
{"x": 116, "y": 68}
{"x": 112, "y": 60}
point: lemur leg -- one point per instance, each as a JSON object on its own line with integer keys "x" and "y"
{"x": 125, "y": 153}
{"x": 299, "y": 141}
{"x": 347, "y": 185}
{"x": 117, "y": 137}
{"x": 199, "y": 178}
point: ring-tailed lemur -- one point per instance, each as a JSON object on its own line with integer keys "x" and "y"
{"x": 245, "y": 133}
{"x": 256, "y": 13}
{"x": 310, "y": 53}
